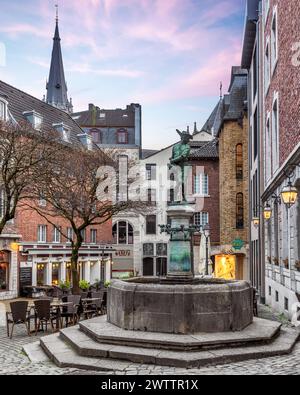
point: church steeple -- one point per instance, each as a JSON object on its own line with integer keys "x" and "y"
{"x": 57, "y": 91}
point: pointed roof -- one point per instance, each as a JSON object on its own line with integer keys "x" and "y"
{"x": 57, "y": 91}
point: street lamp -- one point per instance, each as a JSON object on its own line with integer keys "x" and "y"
{"x": 206, "y": 233}
{"x": 255, "y": 221}
{"x": 267, "y": 212}
{"x": 289, "y": 194}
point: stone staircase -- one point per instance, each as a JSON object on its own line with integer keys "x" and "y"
{"x": 100, "y": 346}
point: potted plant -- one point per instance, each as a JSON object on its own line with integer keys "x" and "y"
{"x": 107, "y": 284}
{"x": 84, "y": 285}
{"x": 65, "y": 286}
{"x": 286, "y": 263}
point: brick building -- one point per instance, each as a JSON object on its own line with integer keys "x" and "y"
{"x": 271, "y": 53}
{"x": 232, "y": 258}
{"x": 44, "y": 255}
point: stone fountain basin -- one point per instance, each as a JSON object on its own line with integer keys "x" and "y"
{"x": 203, "y": 305}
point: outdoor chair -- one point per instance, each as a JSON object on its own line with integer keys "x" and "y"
{"x": 99, "y": 304}
{"x": 255, "y": 302}
{"x": 44, "y": 315}
{"x": 19, "y": 315}
{"x": 70, "y": 312}
{"x": 89, "y": 309}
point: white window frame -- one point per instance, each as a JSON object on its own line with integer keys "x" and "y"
{"x": 2, "y": 202}
{"x": 42, "y": 233}
{"x": 267, "y": 65}
{"x": 92, "y": 239}
{"x": 275, "y": 139}
{"x": 274, "y": 40}
{"x": 266, "y": 9}
{"x": 201, "y": 221}
{"x": 70, "y": 234}
{"x": 4, "y": 103}
{"x": 56, "y": 235}
{"x": 199, "y": 180}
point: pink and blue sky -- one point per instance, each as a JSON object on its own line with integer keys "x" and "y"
{"x": 167, "y": 55}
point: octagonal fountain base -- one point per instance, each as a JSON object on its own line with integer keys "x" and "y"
{"x": 203, "y": 305}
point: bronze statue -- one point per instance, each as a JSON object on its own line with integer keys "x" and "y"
{"x": 180, "y": 155}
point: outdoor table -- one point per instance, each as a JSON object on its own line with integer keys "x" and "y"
{"x": 56, "y": 305}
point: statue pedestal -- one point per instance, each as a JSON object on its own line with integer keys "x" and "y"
{"x": 180, "y": 266}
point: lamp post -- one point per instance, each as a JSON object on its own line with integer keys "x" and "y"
{"x": 206, "y": 233}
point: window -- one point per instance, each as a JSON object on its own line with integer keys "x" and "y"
{"x": 83, "y": 235}
{"x": 55, "y": 273}
{"x": 151, "y": 196}
{"x": 2, "y": 202}
{"x": 123, "y": 233}
{"x": 274, "y": 39}
{"x": 267, "y": 65}
{"x": 162, "y": 249}
{"x": 41, "y": 274}
{"x": 171, "y": 197}
{"x": 239, "y": 162}
{"x": 266, "y": 8}
{"x": 255, "y": 135}
{"x": 122, "y": 136}
{"x": 286, "y": 304}
{"x": 42, "y": 201}
{"x": 69, "y": 234}
{"x": 93, "y": 236}
{"x": 268, "y": 152}
{"x": 275, "y": 135}
{"x": 151, "y": 225}
{"x": 4, "y": 276}
{"x": 270, "y": 291}
{"x": 3, "y": 110}
{"x": 276, "y": 296}
{"x": 255, "y": 74}
{"x": 239, "y": 211}
{"x": 96, "y": 135}
{"x": 56, "y": 234}
{"x": 150, "y": 172}
{"x": 148, "y": 249}
{"x": 201, "y": 184}
{"x": 201, "y": 219}
{"x": 42, "y": 234}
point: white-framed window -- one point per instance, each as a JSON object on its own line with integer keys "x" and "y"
{"x": 3, "y": 109}
{"x": 42, "y": 201}
{"x": 122, "y": 233}
{"x": 69, "y": 234}
{"x": 201, "y": 219}
{"x": 275, "y": 133}
{"x": 34, "y": 118}
{"x": 201, "y": 184}
{"x": 93, "y": 239}
{"x": 56, "y": 234}
{"x": 266, "y": 8}
{"x": 268, "y": 148}
{"x": 42, "y": 233}
{"x": 267, "y": 64}
{"x": 274, "y": 39}
{"x": 2, "y": 202}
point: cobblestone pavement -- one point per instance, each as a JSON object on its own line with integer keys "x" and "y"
{"x": 14, "y": 362}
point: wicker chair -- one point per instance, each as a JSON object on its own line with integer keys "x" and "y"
{"x": 43, "y": 314}
{"x": 70, "y": 312}
{"x": 19, "y": 315}
{"x": 99, "y": 304}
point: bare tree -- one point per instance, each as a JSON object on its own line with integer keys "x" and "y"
{"x": 24, "y": 156}
{"x": 80, "y": 189}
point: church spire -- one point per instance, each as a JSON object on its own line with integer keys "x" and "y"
{"x": 57, "y": 91}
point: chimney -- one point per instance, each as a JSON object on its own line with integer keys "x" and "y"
{"x": 195, "y": 127}
{"x": 91, "y": 107}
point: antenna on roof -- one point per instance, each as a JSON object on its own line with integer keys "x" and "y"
{"x": 221, "y": 90}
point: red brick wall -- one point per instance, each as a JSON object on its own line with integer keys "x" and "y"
{"x": 210, "y": 204}
{"x": 286, "y": 78}
{"x": 27, "y": 222}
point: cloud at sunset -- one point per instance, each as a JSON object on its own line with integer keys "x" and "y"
{"x": 161, "y": 53}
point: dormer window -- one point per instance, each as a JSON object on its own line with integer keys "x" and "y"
{"x": 122, "y": 136}
{"x": 86, "y": 140}
{"x": 3, "y": 110}
{"x": 64, "y": 131}
{"x": 95, "y": 135}
{"x": 34, "y": 119}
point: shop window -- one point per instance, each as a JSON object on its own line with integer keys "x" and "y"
{"x": 41, "y": 274}
{"x": 239, "y": 162}
{"x": 123, "y": 233}
{"x": 55, "y": 273}
{"x": 240, "y": 211}
{"x": 151, "y": 225}
{"x": 148, "y": 266}
{"x": 4, "y": 276}
{"x": 69, "y": 272}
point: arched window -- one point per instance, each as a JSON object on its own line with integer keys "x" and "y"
{"x": 123, "y": 233}
{"x": 239, "y": 211}
{"x": 122, "y": 136}
{"x": 96, "y": 135}
{"x": 239, "y": 162}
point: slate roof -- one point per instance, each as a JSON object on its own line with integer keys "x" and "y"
{"x": 19, "y": 102}
{"x": 146, "y": 153}
{"x": 122, "y": 118}
{"x": 204, "y": 150}
{"x": 235, "y": 100}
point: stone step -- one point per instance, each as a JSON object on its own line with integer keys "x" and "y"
{"x": 89, "y": 348}
{"x": 64, "y": 356}
{"x": 35, "y": 352}
{"x": 261, "y": 332}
